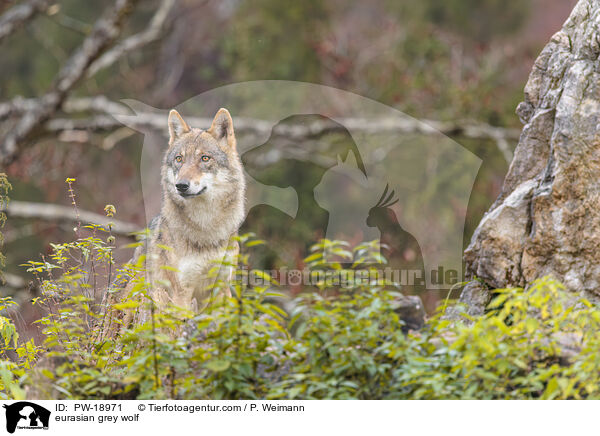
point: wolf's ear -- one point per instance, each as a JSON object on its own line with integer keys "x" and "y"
{"x": 222, "y": 128}
{"x": 177, "y": 126}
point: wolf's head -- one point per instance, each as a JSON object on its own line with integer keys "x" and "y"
{"x": 201, "y": 164}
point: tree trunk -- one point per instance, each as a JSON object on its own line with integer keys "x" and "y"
{"x": 546, "y": 220}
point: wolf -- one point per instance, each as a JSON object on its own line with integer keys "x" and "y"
{"x": 203, "y": 196}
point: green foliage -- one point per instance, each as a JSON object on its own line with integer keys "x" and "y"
{"x": 341, "y": 338}
{"x": 275, "y": 40}
{"x": 346, "y": 347}
{"x": 16, "y": 358}
{"x": 481, "y": 20}
{"x": 446, "y": 63}
{"x": 535, "y": 343}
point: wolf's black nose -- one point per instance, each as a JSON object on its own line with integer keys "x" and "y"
{"x": 182, "y": 186}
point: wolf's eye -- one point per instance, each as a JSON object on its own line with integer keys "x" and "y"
{"x": 205, "y": 158}
{"x": 178, "y": 158}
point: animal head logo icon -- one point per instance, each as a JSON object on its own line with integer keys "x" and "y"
{"x": 26, "y": 415}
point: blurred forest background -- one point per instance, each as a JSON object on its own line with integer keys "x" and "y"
{"x": 462, "y": 62}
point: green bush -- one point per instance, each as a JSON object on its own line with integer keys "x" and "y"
{"x": 338, "y": 339}
{"x": 538, "y": 342}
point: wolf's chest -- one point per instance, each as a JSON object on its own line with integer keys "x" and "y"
{"x": 192, "y": 268}
{"x": 195, "y": 270}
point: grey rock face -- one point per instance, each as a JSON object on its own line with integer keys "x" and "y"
{"x": 476, "y": 296}
{"x": 546, "y": 220}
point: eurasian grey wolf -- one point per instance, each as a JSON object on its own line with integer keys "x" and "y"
{"x": 203, "y": 189}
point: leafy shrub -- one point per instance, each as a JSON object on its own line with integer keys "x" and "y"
{"x": 340, "y": 338}
{"x": 538, "y": 342}
{"x": 15, "y": 358}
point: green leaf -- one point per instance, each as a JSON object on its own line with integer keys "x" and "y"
{"x": 313, "y": 257}
{"x": 218, "y": 365}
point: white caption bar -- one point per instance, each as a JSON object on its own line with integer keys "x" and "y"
{"x": 296, "y": 417}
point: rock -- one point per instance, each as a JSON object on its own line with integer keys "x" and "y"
{"x": 496, "y": 250}
{"x": 473, "y": 300}
{"x": 411, "y": 310}
{"x": 546, "y": 220}
{"x": 569, "y": 345}
{"x": 477, "y": 295}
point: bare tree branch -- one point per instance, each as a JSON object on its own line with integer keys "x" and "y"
{"x": 55, "y": 212}
{"x": 106, "y": 108}
{"x": 19, "y": 105}
{"x": 469, "y": 129}
{"x": 150, "y": 34}
{"x": 105, "y": 31}
{"x": 14, "y": 281}
{"x": 18, "y": 15}
{"x": 466, "y": 129}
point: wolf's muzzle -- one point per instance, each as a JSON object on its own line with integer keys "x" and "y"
{"x": 187, "y": 194}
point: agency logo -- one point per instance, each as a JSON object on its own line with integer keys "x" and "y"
{"x": 323, "y": 163}
{"x": 26, "y": 415}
